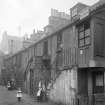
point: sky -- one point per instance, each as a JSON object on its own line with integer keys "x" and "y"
{"x": 25, "y": 15}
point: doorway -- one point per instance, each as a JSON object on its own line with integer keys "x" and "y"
{"x": 31, "y": 81}
{"x": 98, "y": 82}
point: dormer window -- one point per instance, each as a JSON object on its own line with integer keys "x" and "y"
{"x": 76, "y": 9}
{"x": 74, "y": 12}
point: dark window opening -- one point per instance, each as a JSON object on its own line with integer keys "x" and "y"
{"x": 59, "y": 40}
{"x": 45, "y": 48}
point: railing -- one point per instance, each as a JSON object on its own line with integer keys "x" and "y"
{"x": 70, "y": 56}
{"x": 93, "y": 99}
{"x": 67, "y": 57}
{"x": 99, "y": 99}
{"x": 82, "y": 100}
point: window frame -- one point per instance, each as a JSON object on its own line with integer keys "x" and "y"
{"x": 82, "y": 28}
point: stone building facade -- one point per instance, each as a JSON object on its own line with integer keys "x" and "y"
{"x": 72, "y": 60}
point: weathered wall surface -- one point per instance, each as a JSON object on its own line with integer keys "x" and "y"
{"x": 70, "y": 38}
{"x": 64, "y": 88}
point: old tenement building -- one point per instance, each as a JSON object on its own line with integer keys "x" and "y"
{"x": 72, "y": 59}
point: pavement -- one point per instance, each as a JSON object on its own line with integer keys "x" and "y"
{"x": 9, "y": 98}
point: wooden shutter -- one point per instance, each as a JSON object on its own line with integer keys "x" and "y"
{"x": 99, "y": 38}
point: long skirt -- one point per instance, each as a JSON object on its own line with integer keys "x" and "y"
{"x": 38, "y": 98}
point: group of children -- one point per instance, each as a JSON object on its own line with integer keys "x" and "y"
{"x": 41, "y": 93}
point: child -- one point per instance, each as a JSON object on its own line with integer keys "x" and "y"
{"x": 39, "y": 94}
{"x": 19, "y": 94}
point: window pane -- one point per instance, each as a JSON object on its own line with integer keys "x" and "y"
{"x": 81, "y": 42}
{"x": 87, "y": 32}
{"x": 87, "y": 40}
{"x": 81, "y": 35}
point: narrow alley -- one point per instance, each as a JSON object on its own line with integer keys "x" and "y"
{"x": 9, "y": 98}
